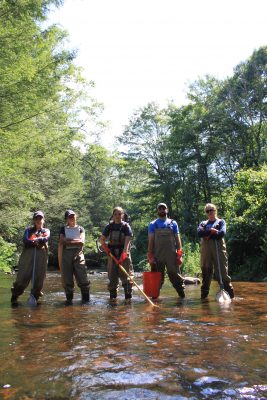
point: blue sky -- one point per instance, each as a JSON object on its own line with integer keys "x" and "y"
{"x": 137, "y": 51}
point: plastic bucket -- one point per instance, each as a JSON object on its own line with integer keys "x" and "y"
{"x": 151, "y": 284}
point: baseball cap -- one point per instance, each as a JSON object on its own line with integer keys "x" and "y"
{"x": 38, "y": 214}
{"x": 68, "y": 213}
{"x": 162, "y": 205}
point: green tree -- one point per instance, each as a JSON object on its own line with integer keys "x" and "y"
{"x": 247, "y": 215}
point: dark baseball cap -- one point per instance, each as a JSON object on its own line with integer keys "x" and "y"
{"x": 68, "y": 213}
{"x": 38, "y": 214}
{"x": 162, "y": 205}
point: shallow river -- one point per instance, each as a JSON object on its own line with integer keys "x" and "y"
{"x": 186, "y": 349}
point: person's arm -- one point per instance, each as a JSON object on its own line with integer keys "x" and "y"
{"x": 126, "y": 244}
{"x": 221, "y": 231}
{"x": 102, "y": 239}
{"x": 150, "y": 249}
{"x": 45, "y": 236}
{"x": 201, "y": 232}
{"x": 179, "y": 251}
{"x": 178, "y": 242}
{"x": 61, "y": 243}
{"x": 125, "y": 251}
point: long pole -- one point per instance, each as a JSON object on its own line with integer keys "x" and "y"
{"x": 129, "y": 276}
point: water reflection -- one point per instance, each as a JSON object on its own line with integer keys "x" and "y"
{"x": 186, "y": 349}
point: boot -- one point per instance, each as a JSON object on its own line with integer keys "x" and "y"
{"x": 85, "y": 298}
{"x": 14, "y": 298}
{"x": 128, "y": 291}
{"x": 180, "y": 291}
{"x": 113, "y": 294}
{"x": 228, "y": 287}
{"x": 69, "y": 297}
{"x": 204, "y": 292}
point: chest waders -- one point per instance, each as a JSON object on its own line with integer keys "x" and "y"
{"x": 212, "y": 257}
{"x": 165, "y": 256}
{"x": 116, "y": 245}
{"x": 73, "y": 265}
{"x": 30, "y": 257}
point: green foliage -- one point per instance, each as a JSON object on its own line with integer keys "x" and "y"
{"x": 184, "y": 155}
{"x": 8, "y": 256}
{"x": 247, "y": 213}
{"x": 191, "y": 259}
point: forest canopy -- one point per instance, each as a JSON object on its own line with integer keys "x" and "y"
{"x": 213, "y": 148}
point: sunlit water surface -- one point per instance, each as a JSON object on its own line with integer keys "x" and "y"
{"x": 186, "y": 349}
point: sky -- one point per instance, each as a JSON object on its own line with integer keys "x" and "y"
{"x": 138, "y": 51}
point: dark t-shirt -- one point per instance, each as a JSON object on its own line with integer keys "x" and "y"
{"x": 123, "y": 227}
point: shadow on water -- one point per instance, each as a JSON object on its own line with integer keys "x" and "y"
{"x": 186, "y": 349}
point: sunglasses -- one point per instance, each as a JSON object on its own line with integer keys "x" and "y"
{"x": 210, "y": 210}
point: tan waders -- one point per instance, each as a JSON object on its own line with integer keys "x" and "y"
{"x": 116, "y": 244}
{"x": 165, "y": 256}
{"x": 73, "y": 264}
{"x": 29, "y": 257}
{"x": 209, "y": 265}
{"x": 115, "y": 273}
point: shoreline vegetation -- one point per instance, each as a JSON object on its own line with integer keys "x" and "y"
{"x": 211, "y": 149}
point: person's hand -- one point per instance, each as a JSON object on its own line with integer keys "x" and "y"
{"x": 123, "y": 257}
{"x": 213, "y": 231}
{"x": 151, "y": 259}
{"x": 105, "y": 248}
{"x": 179, "y": 259}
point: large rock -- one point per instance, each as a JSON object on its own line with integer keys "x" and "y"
{"x": 188, "y": 280}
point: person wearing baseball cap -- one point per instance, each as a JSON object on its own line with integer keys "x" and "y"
{"x": 33, "y": 259}
{"x": 165, "y": 248}
{"x": 71, "y": 258}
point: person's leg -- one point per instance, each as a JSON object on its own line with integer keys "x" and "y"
{"x": 80, "y": 273}
{"x": 206, "y": 268}
{"x": 174, "y": 274}
{"x": 127, "y": 285}
{"x": 113, "y": 276}
{"x": 67, "y": 272}
{"x": 223, "y": 260}
{"x": 40, "y": 272}
{"x": 24, "y": 274}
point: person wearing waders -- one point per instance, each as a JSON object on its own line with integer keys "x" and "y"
{"x": 165, "y": 248}
{"x": 211, "y": 230}
{"x": 118, "y": 234}
{"x": 33, "y": 259}
{"x": 71, "y": 258}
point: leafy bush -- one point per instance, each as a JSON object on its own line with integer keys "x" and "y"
{"x": 8, "y": 255}
{"x": 247, "y": 228}
{"x": 191, "y": 259}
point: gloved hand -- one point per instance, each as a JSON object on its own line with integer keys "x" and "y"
{"x": 179, "y": 259}
{"x": 213, "y": 231}
{"x": 123, "y": 257}
{"x": 150, "y": 258}
{"x": 105, "y": 248}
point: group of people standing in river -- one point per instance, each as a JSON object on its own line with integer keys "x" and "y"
{"x": 164, "y": 253}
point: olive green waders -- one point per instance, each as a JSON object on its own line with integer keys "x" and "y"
{"x": 209, "y": 265}
{"x": 25, "y": 268}
{"x": 165, "y": 256}
{"x": 73, "y": 264}
{"x": 116, "y": 245}
{"x": 115, "y": 273}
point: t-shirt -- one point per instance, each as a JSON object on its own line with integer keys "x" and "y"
{"x": 62, "y": 230}
{"x": 123, "y": 227}
{"x": 205, "y": 226}
{"x": 163, "y": 224}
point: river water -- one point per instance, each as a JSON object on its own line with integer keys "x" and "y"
{"x": 185, "y": 349}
